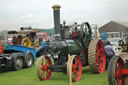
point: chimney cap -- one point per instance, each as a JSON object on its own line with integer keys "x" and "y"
{"x": 56, "y": 7}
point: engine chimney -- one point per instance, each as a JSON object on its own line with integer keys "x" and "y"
{"x": 56, "y": 12}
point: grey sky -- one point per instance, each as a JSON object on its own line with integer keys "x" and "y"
{"x": 39, "y": 14}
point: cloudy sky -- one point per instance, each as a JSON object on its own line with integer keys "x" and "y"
{"x": 39, "y": 14}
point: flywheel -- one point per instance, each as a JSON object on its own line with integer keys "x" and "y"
{"x": 85, "y": 34}
{"x": 96, "y": 56}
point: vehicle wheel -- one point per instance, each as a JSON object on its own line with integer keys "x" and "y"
{"x": 114, "y": 71}
{"x": 29, "y": 60}
{"x": 76, "y": 68}
{"x": 42, "y": 70}
{"x": 18, "y": 63}
{"x": 96, "y": 56}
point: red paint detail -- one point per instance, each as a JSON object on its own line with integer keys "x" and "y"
{"x": 82, "y": 51}
{"x": 100, "y": 56}
{"x": 119, "y": 77}
{"x": 76, "y": 68}
{"x": 45, "y": 72}
{"x": 124, "y": 71}
{"x": 75, "y": 34}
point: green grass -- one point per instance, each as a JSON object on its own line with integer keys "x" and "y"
{"x": 29, "y": 77}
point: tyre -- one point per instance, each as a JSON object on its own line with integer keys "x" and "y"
{"x": 18, "y": 63}
{"x": 29, "y": 60}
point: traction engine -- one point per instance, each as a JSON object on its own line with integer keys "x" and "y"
{"x": 83, "y": 50}
{"x": 118, "y": 66}
{"x": 26, "y": 36}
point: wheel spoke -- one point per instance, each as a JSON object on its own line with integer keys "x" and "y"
{"x": 42, "y": 73}
{"x": 118, "y": 76}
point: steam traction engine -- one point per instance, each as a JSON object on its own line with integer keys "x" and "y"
{"x": 26, "y": 36}
{"x": 118, "y": 66}
{"x": 83, "y": 50}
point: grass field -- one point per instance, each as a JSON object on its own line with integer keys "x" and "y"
{"x": 29, "y": 77}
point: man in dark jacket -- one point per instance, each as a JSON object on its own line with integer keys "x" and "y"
{"x": 109, "y": 52}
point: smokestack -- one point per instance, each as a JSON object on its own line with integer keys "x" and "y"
{"x": 56, "y": 12}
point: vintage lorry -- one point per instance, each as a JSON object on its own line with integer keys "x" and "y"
{"x": 16, "y": 57}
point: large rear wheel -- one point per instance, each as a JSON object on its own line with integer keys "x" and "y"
{"x": 96, "y": 56}
{"x": 114, "y": 71}
{"x": 42, "y": 70}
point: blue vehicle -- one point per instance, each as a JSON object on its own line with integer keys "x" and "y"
{"x": 42, "y": 50}
{"x": 16, "y": 57}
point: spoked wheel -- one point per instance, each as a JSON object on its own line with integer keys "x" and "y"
{"x": 42, "y": 68}
{"x": 76, "y": 67}
{"x": 114, "y": 71}
{"x": 85, "y": 34}
{"x": 26, "y": 42}
{"x": 96, "y": 56}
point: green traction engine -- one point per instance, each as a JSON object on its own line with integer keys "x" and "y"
{"x": 83, "y": 50}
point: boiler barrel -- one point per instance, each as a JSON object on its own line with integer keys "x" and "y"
{"x": 73, "y": 48}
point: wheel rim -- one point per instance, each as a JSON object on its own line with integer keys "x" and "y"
{"x": 44, "y": 71}
{"x": 100, "y": 56}
{"x": 119, "y": 79}
{"x": 76, "y": 68}
{"x": 29, "y": 60}
{"x": 19, "y": 62}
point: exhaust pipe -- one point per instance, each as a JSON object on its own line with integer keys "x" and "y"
{"x": 56, "y": 13}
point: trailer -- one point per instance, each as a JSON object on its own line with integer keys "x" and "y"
{"x": 16, "y": 57}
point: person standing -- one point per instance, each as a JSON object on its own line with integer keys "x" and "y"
{"x": 109, "y": 51}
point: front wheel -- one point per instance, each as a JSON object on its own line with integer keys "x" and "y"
{"x": 42, "y": 70}
{"x": 114, "y": 71}
{"x": 76, "y": 66}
